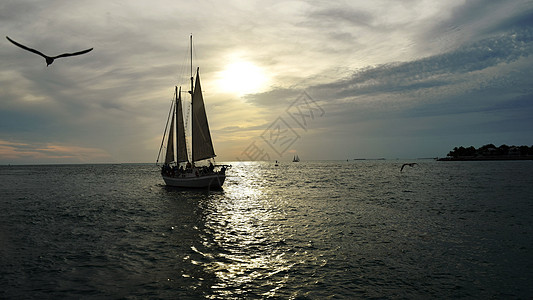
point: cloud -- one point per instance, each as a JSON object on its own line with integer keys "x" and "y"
{"x": 24, "y": 153}
{"x": 474, "y": 21}
{"x": 478, "y": 90}
{"x": 332, "y": 15}
{"x": 371, "y": 66}
{"x": 274, "y": 97}
{"x": 435, "y": 71}
{"x": 469, "y": 68}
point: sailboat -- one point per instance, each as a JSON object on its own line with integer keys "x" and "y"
{"x": 295, "y": 158}
{"x": 198, "y": 171}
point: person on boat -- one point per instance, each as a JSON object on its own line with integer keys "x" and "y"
{"x": 204, "y": 170}
{"x": 211, "y": 167}
{"x": 165, "y": 170}
{"x": 175, "y": 170}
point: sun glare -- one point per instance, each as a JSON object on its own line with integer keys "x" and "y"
{"x": 242, "y": 78}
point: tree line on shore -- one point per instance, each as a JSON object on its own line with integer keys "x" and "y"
{"x": 490, "y": 150}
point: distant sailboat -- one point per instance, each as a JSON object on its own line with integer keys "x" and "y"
{"x": 296, "y": 159}
{"x": 177, "y": 169}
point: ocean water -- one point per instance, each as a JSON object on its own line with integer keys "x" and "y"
{"x": 308, "y": 230}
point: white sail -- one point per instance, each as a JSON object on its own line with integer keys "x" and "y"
{"x": 169, "y": 157}
{"x": 202, "y": 146}
{"x": 180, "y": 137}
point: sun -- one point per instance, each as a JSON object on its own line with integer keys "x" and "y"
{"x": 242, "y": 77}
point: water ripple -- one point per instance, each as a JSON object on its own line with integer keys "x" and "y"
{"x": 310, "y": 230}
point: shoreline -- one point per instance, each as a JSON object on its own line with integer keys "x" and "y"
{"x": 486, "y": 158}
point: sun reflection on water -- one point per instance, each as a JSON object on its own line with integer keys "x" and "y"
{"x": 249, "y": 246}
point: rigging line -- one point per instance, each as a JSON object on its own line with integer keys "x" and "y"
{"x": 187, "y": 114}
{"x": 187, "y": 127}
{"x": 166, "y": 127}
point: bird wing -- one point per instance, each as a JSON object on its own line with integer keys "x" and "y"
{"x": 26, "y": 48}
{"x": 73, "y": 54}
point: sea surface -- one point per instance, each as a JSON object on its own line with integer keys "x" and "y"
{"x": 307, "y": 230}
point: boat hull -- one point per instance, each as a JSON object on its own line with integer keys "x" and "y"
{"x": 213, "y": 181}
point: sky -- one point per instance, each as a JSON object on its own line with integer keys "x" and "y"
{"x": 326, "y": 80}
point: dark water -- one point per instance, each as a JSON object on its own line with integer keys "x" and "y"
{"x": 308, "y": 230}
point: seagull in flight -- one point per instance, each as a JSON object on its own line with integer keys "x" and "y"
{"x": 408, "y": 164}
{"x": 49, "y": 59}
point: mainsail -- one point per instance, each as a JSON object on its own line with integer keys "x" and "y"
{"x": 202, "y": 146}
{"x": 181, "y": 146}
{"x": 169, "y": 157}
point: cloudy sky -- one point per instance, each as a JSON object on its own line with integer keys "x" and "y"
{"x": 321, "y": 79}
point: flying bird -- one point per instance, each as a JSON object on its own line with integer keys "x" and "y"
{"x": 49, "y": 59}
{"x": 408, "y": 164}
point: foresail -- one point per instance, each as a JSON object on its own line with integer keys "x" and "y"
{"x": 202, "y": 146}
{"x": 181, "y": 144}
{"x": 169, "y": 157}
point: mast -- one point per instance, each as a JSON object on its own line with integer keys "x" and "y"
{"x": 181, "y": 147}
{"x": 191, "y": 69}
{"x": 192, "y": 108}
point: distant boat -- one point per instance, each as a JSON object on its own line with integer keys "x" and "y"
{"x": 178, "y": 170}
{"x": 296, "y": 159}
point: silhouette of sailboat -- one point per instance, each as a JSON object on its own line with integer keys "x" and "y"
{"x": 178, "y": 170}
{"x": 296, "y": 159}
